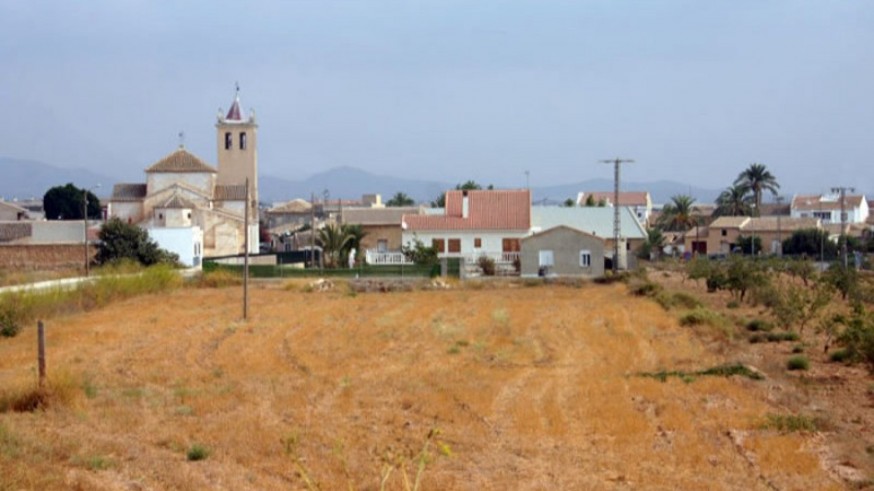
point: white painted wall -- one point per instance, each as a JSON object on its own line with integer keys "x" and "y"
{"x": 492, "y": 241}
{"x": 126, "y": 210}
{"x": 187, "y": 242}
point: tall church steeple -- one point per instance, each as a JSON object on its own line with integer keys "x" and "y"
{"x": 237, "y": 148}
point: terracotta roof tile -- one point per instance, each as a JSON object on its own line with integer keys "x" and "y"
{"x": 729, "y": 222}
{"x": 128, "y": 192}
{"x": 487, "y": 210}
{"x": 180, "y": 161}
{"x": 823, "y": 202}
{"x": 293, "y": 206}
{"x": 769, "y": 224}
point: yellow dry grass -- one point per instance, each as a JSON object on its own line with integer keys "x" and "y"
{"x": 530, "y": 388}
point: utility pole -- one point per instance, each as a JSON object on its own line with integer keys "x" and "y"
{"x": 312, "y": 229}
{"x": 843, "y": 197}
{"x": 246, "y": 255}
{"x": 527, "y": 182}
{"x": 616, "y": 220}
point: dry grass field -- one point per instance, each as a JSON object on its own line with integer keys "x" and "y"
{"x": 511, "y": 387}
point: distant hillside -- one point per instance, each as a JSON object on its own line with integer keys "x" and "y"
{"x": 24, "y": 179}
{"x": 351, "y": 183}
{"x": 347, "y": 183}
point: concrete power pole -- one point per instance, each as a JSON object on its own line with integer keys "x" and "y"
{"x": 843, "y": 197}
{"x": 616, "y": 220}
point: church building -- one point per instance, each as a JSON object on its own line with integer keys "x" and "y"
{"x": 192, "y": 208}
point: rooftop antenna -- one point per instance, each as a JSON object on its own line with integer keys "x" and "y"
{"x": 181, "y": 139}
{"x": 616, "y": 220}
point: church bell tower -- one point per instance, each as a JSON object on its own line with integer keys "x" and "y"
{"x": 237, "y": 149}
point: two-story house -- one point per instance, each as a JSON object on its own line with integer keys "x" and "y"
{"x": 475, "y": 223}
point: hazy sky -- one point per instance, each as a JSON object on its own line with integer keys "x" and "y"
{"x": 449, "y": 90}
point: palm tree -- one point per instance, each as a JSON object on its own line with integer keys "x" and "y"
{"x": 757, "y": 178}
{"x": 334, "y": 240}
{"x": 734, "y": 201}
{"x": 356, "y": 234}
{"x": 655, "y": 242}
{"x": 400, "y": 199}
{"x": 679, "y": 215}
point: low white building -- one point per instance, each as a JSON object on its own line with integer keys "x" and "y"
{"x": 185, "y": 242}
{"x": 827, "y": 207}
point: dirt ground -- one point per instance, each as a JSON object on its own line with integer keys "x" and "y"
{"x": 510, "y": 387}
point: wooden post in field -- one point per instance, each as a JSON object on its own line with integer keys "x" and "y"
{"x": 41, "y": 353}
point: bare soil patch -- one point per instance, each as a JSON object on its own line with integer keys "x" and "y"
{"x": 518, "y": 388}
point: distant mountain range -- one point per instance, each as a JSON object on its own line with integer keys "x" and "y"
{"x": 23, "y": 179}
{"x": 351, "y": 182}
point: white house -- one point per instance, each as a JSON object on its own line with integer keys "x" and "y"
{"x": 827, "y": 207}
{"x": 475, "y": 223}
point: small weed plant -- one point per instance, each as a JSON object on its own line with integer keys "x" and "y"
{"x": 790, "y": 423}
{"x": 197, "y": 452}
{"x": 799, "y": 362}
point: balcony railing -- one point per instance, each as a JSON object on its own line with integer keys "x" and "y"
{"x": 377, "y": 258}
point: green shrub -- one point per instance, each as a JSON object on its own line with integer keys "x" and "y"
{"x": 700, "y": 316}
{"x": 759, "y": 325}
{"x": 840, "y": 356}
{"x": 10, "y": 319}
{"x": 776, "y": 337}
{"x": 487, "y": 265}
{"x": 197, "y": 452}
{"x": 645, "y": 288}
{"x": 799, "y": 362}
{"x": 685, "y": 300}
{"x": 787, "y": 423}
{"x": 798, "y": 348}
{"x": 732, "y": 304}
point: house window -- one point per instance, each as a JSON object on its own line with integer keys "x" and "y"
{"x": 229, "y": 141}
{"x": 724, "y": 232}
{"x": 546, "y": 258}
{"x": 243, "y": 140}
{"x": 478, "y": 243}
{"x": 438, "y": 245}
{"x": 455, "y": 245}
{"x": 381, "y": 245}
{"x": 585, "y": 259}
{"x": 825, "y": 216}
{"x": 160, "y": 216}
{"x": 510, "y": 245}
{"x": 189, "y": 216}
